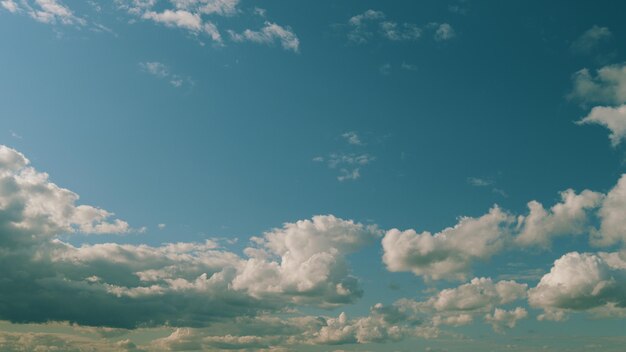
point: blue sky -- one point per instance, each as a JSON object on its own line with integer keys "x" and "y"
{"x": 360, "y": 175}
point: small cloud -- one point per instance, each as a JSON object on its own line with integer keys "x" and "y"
{"x": 591, "y": 39}
{"x": 349, "y": 174}
{"x": 260, "y": 12}
{"x": 385, "y": 69}
{"x": 161, "y": 226}
{"x": 15, "y": 135}
{"x": 408, "y": 67}
{"x": 161, "y": 71}
{"x": 352, "y": 138}
{"x": 318, "y": 159}
{"x": 444, "y": 32}
{"x": 479, "y": 182}
{"x": 270, "y": 33}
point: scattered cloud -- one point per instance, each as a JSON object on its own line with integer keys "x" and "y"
{"x": 479, "y": 182}
{"x": 352, "y": 138}
{"x": 581, "y": 281}
{"x": 569, "y": 217}
{"x": 443, "y": 32}
{"x": 613, "y": 118}
{"x": 408, "y": 67}
{"x": 371, "y": 23}
{"x": 449, "y": 253}
{"x": 161, "y": 226}
{"x": 608, "y": 86}
{"x": 591, "y": 39}
{"x": 44, "y": 11}
{"x": 161, "y": 71}
{"x": 268, "y": 34}
{"x": 385, "y": 69}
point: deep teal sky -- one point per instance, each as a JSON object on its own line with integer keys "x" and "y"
{"x": 230, "y": 152}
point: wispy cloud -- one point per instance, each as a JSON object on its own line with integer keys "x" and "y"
{"x": 44, "y": 11}
{"x": 161, "y": 71}
{"x": 372, "y": 23}
{"x": 268, "y": 34}
{"x": 591, "y": 39}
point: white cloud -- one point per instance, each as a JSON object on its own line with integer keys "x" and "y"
{"x": 444, "y": 32}
{"x": 178, "y": 18}
{"x": 352, "y": 138}
{"x": 45, "y": 11}
{"x": 478, "y": 294}
{"x": 449, "y": 253}
{"x": 612, "y": 118}
{"x": 209, "y": 7}
{"x": 505, "y": 318}
{"x": 161, "y": 71}
{"x": 269, "y": 34}
{"x": 311, "y": 256}
{"x": 570, "y": 217}
{"x": 591, "y": 39}
{"x": 394, "y": 31}
{"x": 479, "y": 182}
{"x": 581, "y": 281}
{"x": 607, "y": 86}
{"x": 9, "y": 5}
{"x": 612, "y": 219}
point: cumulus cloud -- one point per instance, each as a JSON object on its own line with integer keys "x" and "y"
{"x": 569, "y": 217}
{"x": 478, "y": 294}
{"x": 607, "y": 86}
{"x": 178, "y": 284}
{"x": 44, "y": 11}
{"x": 581, "y": 281}
{"x": 613, "y": 118}
{"x": 612, "y": 220}
{"x": 449, "y": 253}
{"x": 270, "y": 33}
{"x": 591, "y": 39}
{"x": 505, "y": 318}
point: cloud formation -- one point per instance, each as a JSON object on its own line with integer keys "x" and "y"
{"x": 372, "y": 23}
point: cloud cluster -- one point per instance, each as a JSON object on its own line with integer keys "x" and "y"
{"x": 366, "y": 25}
{"x": 581, "y": 281}
{"x": 450, "y": 253}
{"x": 268, "y": 34}
{"x": 193, "y": 16}
{"x": 178, "y": 284}
{"x": 44, "y": 11}
{"x": 161, "y": 71}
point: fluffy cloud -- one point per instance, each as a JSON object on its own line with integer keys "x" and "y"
{"x": 478, "y": 294}
{"x": 613, "y": 118}
{"x": 311, "y": 261}
{"x": 570, "y": 217}
{"x": 607, "y": 86}
{"x": 449, "y": 253}
{"x": 505, "y": 318}
{"x": 612, "y": 219}
{"x": 581, "y": 281}
{"x": 44, "y": 11}
{"x": 270, "y": 33}
{"x": 179, "y": 284}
